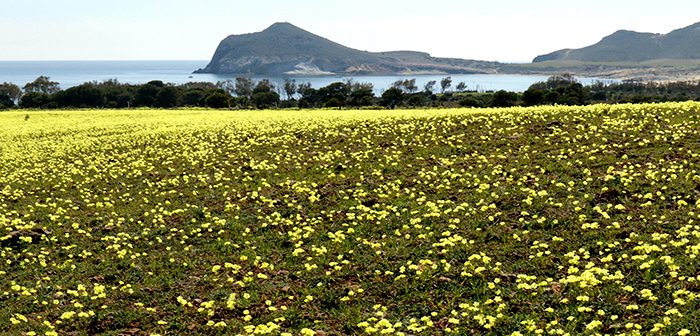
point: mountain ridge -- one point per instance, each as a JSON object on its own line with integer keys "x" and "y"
{"x": 632, "y": 46}
{"x": 285, "y": 49}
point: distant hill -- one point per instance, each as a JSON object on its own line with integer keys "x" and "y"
{"x": 630, "y": 46}
{"x": 284, "y": 49}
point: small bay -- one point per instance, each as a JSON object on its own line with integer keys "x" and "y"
{"x": 72, "y": 73}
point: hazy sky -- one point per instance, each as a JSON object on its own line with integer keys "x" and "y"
{"x": 506, "y": 30}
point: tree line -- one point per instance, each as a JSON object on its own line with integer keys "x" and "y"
{"x": 245, "y": 93}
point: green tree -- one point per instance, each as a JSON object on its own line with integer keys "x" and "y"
{"x": 470, "y": 101}
{"x": 156, "y": 83}
{"x": 552, "y": 97}
{"x": 559, "y": 89}
{"x": 429, "y": 86}
{"x": 12, "y": 91}
{"x": 35, "y": 100}
{"x": 116, "y": 95}
{"x": 6, "y": 102}
{"x": 263, "y": 85}
{"x": 461, "y": 87}
{"x": 417, "y": 99}
{"x": 406, "y": 85}
{"x": 244, "y": 87}
{"x": 218, "y": 100}
{"x": 167, "y": 97}
{"x": 410, "y": 85}
{"x": 334, "y": 94}
{"x": 83, "y": 96}
{"x": 309, "y": 96}
{"x": 146, "y": 94}
{"x": 42, "y": 84}
{"x": 301, "y": 87}
{"x": 290, "y": 88}
{"x": 362, "y": 96}
{"x": 265, "y": 99}
{"x": 555, "y": 82}
{"x": 533, "y": 97}
{"x": 204, "y": 86}
{"x": 445, "y": 84}
{"x": 504, "y": 98}
{"x": 392, "y": 97}
{"x": 228, "y": 86}
{"x": 193, "y": 97}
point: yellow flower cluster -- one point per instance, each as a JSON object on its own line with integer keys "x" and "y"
{"x": 523, "y": 221}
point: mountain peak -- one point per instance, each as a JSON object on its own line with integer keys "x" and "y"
{"x": 285, "y": 49}
{"x": 624, "y": 32}
{"x": 283, "y": 27}
{"x": 632, "y": 46}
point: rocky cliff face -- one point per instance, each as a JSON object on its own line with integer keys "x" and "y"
{"x": 284, "y": 49}
{"x": 630, "y": 46}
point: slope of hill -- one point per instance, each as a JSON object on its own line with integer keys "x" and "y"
{"x": 284, "y": 49}
{"x": 630, "y": 46}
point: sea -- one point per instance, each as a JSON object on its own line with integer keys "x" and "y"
{"x": 72, "y": 73}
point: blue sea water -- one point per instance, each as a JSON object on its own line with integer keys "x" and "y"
{"x": 72, "y": 73}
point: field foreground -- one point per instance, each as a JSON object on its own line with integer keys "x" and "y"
{"x": 552, "y": 220}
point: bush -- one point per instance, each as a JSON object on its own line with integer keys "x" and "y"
{"x": 263, "y": 100}
{"x": 35, "y": 100}
{"x": 504, "y": 98}
{"x": 470, "y": 102}
{"x": 167, "y": 97}
{"x": 333, "y": 102}
{"x": 6, "y": 102}
{"x": 533, "y": 97}
{"x": 146, "y": 95}
{"x": 392, "y": 97}
{"x": 218, "y": 100}
{"x": 418, "y": 99}
{"x": 193, "y": 97}
{"x": 361, "y": 97}
{"x": 85, "y": 95}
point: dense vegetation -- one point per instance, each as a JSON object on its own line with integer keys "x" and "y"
{"x": 521, "y": 221}
{"x": 243, "y": 93}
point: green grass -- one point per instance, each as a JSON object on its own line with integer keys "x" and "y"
{"x": 550, "y": 220}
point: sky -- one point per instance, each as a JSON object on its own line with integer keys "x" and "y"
{"x": 505, "y": 30}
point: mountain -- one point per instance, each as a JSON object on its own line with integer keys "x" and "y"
{"x": 630, "y": 46}
{"x": 284, "y": 49}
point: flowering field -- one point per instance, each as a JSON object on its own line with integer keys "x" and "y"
{"x": 549, "y": 221}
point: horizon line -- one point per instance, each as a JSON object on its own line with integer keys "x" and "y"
{"x": 193, "y": 60}
{"x": 104, "y": 60}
